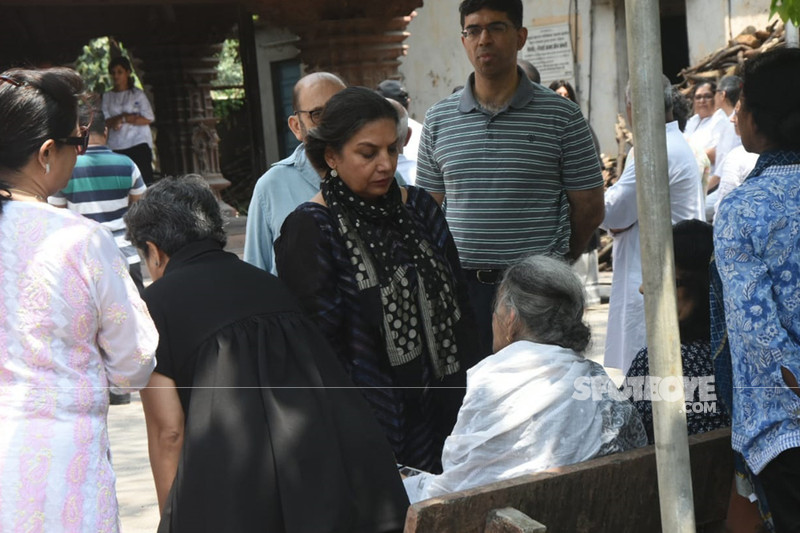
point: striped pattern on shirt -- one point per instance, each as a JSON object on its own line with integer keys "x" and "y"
{"x": 99, "y": 188}
{"x": 505, "y": 175}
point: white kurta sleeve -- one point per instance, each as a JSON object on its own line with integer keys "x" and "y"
{"x": 126, "y": 334}
{"x": 620, "y": 199}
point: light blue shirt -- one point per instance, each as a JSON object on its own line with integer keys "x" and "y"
{"x": 287, "y": 184}
{"x": 757, "y": 249}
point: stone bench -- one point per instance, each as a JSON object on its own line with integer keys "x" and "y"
{"x": 617, "y": 493}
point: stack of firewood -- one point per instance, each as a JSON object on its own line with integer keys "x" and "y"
{"x": 729, "y": 59}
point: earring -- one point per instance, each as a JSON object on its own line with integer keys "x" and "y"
{"x": 334, "y": 174}
{"x": 47, "y": 168}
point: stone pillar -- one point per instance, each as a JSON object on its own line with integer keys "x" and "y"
{"x": 363, "y": 51}
{"x": 361, "y": 41}
{"x": 187, "y": 141}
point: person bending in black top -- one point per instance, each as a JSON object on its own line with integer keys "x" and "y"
{"x": 694, "y": 246}
{"x": 252, "y": 425}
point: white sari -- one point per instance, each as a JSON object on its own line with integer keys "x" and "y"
{"x": 524, "y": 412}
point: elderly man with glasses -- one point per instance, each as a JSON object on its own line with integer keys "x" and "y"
{"x": 291, "y": 181}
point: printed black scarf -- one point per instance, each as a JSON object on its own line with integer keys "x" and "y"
{"x": 410, "y": 321}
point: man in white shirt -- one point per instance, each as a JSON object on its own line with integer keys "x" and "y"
{"x": 723, "y": 136}
{"x": 626, "y": 323}
{"x": 735, "y": 167}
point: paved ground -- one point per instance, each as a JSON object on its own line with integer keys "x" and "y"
{"x": 135, "y": 490}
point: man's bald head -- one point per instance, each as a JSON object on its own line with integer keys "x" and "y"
{"x": 315, "y": 79}
{"x": 310, "y": 95}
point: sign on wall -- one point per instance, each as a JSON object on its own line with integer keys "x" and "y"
{"x": 550, "y": 50}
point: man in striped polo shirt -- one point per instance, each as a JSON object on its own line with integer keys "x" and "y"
{"x": 515, "y": 161}
{"x": 102, "y": 186}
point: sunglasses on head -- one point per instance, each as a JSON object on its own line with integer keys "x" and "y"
{"x": 81, "y": 143}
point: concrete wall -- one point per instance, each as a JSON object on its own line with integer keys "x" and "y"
{"x": 745, "y": 13}
{"x": 712, "y": 23}
{"x": 706, "y": 27}
{"x": 606, "y": 71}
{"x": 436, "y": 61}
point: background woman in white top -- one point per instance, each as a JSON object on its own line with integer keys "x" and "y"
{"x": 700, "y": 127}
{"x": 128, "y": 119}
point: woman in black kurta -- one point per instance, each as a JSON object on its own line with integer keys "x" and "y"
{"x": 377, "y": 269}
{"x": 275, "y": 438}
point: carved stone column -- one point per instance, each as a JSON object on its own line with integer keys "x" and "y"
{"x": 360, "y": 40}
{"x": 187, "y": 141}
{"x": 364, "y": 51}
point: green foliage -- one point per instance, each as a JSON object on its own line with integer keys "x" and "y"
{"x": 230, "y": 77}
{"x": 787, "y": 10}
{"x": 229, "y": 68}
{"x": 92, "y": 64}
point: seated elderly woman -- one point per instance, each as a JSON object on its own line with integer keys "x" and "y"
{"x": 375, "y": 266}
{"x": 252, "y": 424}
{"x": 537, "y": 403}
{"x": 694, "y": 246}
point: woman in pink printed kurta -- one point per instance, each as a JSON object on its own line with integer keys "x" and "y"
{"x": 73, "y": 325}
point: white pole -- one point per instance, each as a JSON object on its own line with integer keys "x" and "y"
{"x": 792, "y": 40}
{"x": 658, "y": 269}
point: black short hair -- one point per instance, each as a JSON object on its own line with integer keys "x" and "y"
{"x": 124, "y": 62}
{"x": 693, "y": 242}
{"x": 346, "y": 113}
{"x": 554, "y": 86}
{"x": 681, "y": 109}
{"x": 710, "y": 83}
{"x": 512, "y": 8}
{"x": 771, "y": 87}
{"x": 529, "y": 70}
{"x": 394, "y": 90}
{"x": 94, "y": 118}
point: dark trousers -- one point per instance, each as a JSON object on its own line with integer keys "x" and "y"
{"x": 142, "y": 155}
{"x": 481, "y": 297}
{"x": 781, "y": 482}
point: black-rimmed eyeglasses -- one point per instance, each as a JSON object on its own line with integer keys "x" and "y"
{"x": 314, "y": 114}
{"x": 494, "y": 28}
{"x": 81, "y": 143}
